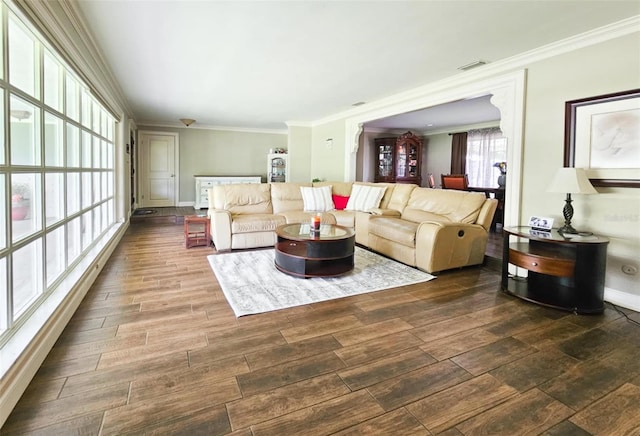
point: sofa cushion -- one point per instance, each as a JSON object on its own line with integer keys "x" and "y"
{"x": 338, "y": 188}
{"x": 287, "y": 196}
{"x": 457, "y": 206}
{"x": 256, "y": 223}
{"x": 340, "y": 201}
{"x": 365, "y": 197}
{"x": 299, "y": 216}
{"x": 420, "y": 216}
{"x": 243, "y": 198}
{"x": 317, "y": 199}
{"x": 345, "y": 218}
{"x": 399, "y": 196}
{"x": 394, "y": 229}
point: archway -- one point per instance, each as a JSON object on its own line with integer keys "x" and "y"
{"x": 507, "y": 94}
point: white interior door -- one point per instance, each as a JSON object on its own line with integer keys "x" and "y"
{"x": 158, "y": 156}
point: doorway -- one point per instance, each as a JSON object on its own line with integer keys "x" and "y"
{"x": 158, "y": 166}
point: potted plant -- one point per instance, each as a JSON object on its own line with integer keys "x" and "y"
{"x": 502, "y": 178}
{"x": 20, "y": 201}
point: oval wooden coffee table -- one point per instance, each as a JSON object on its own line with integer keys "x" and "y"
{"x": 302, "y": 255}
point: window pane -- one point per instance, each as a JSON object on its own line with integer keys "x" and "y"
{"x": 96, "y": 187}
{"x": 97, "y": 226}
{"x": 72, "y": 109}
{"x": 110, "y": 184}
{"x": 4, "y": 303}
{"x": 3, "y": 240}
{"x": 3, "y": 142}
{"x": 87, "y": 230}
{"x": 86, "y": 149}
{"x": 105, "y": 216}
{"x": 74, "y": 246}
{"x": 52, "y": 82}
{"x": 104, "y": 186}
{"x": 110, "y": 156}
{"x": 85, "y": 102}
{"x": 86, "y": 190}
{"x": 73, "y": 193}
{"x": 54, "y": 197}
{"x": 27, "y": 276}
{"x": 55, "y": 254}
{"x": 73, "y": 146}
{"x": 53, "y": 141}
{"x": 96, "y": 116}
{"x": 25, "y": 137}
{"x": 96, "y": 152}
{"x": 22, "y": 58}
{"x": 25, "y": 205}
{"x": 104, "y": 155}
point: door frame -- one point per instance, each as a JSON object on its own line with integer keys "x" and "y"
{"x": 142, "y": 165}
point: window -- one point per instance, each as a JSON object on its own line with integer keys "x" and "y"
{"x": 485, "y": 148}
{"x": 58, "y": 180}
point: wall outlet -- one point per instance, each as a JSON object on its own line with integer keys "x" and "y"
{"x": 630, "y": 269}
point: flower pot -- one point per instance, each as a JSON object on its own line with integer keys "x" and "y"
{"x": 20, "y": 210}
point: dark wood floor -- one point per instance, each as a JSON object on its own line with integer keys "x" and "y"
{"x": 155, "y": 349}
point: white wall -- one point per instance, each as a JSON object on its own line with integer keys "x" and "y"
{"x": 615, "y": 212}
{"x": 220, "y": 153}
{"x": 327, "y": 161}
{"x": 437, "y": 156}
{"x": 604, "y": 67}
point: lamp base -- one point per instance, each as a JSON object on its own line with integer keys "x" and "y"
{"x": 567, "y": 229}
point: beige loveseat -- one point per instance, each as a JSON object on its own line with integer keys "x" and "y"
{"x": 432, "y": 229}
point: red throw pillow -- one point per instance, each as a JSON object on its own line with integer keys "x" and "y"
{"x": 340, "y": 201}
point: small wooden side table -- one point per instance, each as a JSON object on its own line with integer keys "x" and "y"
{"x": 194, "y": 233}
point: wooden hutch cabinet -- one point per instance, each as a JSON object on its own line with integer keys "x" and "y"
{"x": 385, "y": 159}
{"x": 398, "y": 159}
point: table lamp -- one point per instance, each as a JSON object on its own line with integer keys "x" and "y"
{"x": 571, "y": 181}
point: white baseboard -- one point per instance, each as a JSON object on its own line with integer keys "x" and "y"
{"x": 622, "y": 299}
{"x": 17, "y": 378}
{"x": 186, "y": 203}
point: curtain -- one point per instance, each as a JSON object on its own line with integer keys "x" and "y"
{"x": 459, "y": 153}
{"x": 486, "y": 151}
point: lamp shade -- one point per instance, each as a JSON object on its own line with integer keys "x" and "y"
{"x": 571, "y": 181}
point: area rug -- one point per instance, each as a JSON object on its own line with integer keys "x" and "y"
{"x": 252, "y": 284}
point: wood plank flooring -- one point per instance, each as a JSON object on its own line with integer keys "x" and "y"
{"x": 155, "y": 349}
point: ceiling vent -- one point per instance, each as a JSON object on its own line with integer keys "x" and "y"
{"x": 472, "y": 65}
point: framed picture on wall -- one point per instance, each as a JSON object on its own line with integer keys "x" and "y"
{"x": 602, "y": 135}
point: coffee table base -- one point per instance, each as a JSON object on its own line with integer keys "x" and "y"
{"x": 313, "y": 268}
{"x": 291, "y": 257}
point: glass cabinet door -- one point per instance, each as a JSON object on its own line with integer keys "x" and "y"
{"x": 401, "y": 156}
{"x": 385, "y": 161}
{"x": 412, "y": 164}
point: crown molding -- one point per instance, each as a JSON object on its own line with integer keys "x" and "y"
{"x": 64, "y": 31}
{"x": 521, "y": 61}
{"x": 142, "y": 124}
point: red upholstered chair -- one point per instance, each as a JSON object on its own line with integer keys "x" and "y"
{"x": 455, "y": 181}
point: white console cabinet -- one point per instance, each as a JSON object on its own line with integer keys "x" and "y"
{"x": 203, "y": 183}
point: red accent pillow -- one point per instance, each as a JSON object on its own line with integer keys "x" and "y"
{"x": 339, "y": 201}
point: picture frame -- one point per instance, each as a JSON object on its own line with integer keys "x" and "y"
{"x": 602, "y": 135}
{"x": 541, "y": 223}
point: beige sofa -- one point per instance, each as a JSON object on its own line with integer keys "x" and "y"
{"x": 431, "y": 229}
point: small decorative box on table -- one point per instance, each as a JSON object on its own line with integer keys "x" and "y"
{"x": 196, "y": 230}
{"x": 564, "y": 271}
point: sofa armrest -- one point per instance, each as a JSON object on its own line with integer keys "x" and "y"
{"x": 220, "y": 228}
{"x": 441, "y": 246}
{"x": 488, "y": 209}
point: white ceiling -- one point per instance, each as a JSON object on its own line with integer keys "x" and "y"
{"x": 260, "y": 64}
